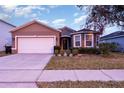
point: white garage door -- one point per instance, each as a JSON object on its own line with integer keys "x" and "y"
{"x": 36, "y": 45}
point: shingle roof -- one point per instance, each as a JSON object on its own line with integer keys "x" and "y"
{"x": 66, "y": 31}
{"x": 7, "y": 22}
{"x": 85, "y": 31}
{"x": 113, "y": 35}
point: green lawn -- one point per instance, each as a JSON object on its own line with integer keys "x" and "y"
{"x": 86, "y": 61}
{"x": 79, "y": 84}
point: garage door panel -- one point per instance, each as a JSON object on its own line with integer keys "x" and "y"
{"x": 34, "y": 51}
{"x": 35, "y": 45}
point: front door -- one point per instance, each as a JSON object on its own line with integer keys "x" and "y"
{"x": 65, "y": 44}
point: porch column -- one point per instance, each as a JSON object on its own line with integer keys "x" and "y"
{"x": 62, "y": 43}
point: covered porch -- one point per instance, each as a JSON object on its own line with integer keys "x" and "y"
{"x": 65, "y": 42}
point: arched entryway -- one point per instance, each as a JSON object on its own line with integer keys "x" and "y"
{"x": 65, "y": 43}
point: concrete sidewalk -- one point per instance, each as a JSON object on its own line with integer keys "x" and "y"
{"x": 81, "y": 75}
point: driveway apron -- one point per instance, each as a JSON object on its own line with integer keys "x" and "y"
{"x": 22, "y": 70}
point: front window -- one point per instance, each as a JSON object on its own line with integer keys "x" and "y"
{"x": 89, "y": 40}
{"x": 77, "y": 40}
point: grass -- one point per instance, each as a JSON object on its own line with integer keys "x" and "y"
{"x": 2, "y": 53}
{"x": 85, "y": 61}
{"x": 81, "y": 84}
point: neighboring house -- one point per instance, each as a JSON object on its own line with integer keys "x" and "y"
{"x": 116, "y": 37}
{"x": 36, "y": 37}
{"x": 5, "y": 35}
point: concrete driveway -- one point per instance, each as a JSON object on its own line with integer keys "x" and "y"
{"x": 22, "y": 70}
{"x": 24, "y": 61}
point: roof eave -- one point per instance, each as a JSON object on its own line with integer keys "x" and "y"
{"x": 65, "y": 36}
{"x": 85, "y": 33}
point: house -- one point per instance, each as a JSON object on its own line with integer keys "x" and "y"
{"x": 5, "y": 35}
{"x": 36, "y": 37}
{"x": 115, "y": 37}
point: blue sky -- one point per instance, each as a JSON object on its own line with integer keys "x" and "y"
{"x": 53, "y": 15}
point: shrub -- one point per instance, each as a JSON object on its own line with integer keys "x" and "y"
{"x": 57, "y": 49}
{"x": 56, "y": 52}
{"x": 113, "y": 46}
{"x": 106, "y": 48}
{"x": 68, "y": 52}
{"x": 89, "y": 50}
{"x": 62, "y": 52}
{"x": 74, "y": 51}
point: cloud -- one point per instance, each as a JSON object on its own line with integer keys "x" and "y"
{"x": 59, "y": 22}
{"x": 27, "y": 10}
{"x": 80, "y": 19}
{"x": 34, "y": 15}
{"x": 4, "y": 16}
{"x": 111, "y": 29}
{"x": 53, "y": 6}
{"x": 8, "y": 8}
{"x": 43, "y": 21}
{"x": 76, "y": 14}
{"x": 23, "y": 10}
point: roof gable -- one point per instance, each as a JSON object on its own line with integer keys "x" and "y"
{"x": 66, "y": 31}
{"x": 33, "y": 22}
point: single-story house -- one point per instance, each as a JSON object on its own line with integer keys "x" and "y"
{"x": 36, "y": 37}
{"x": 115, "y": 37}
{"x": 5, "y": 35}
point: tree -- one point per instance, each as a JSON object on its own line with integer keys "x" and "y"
{"x": 101, "y": 15}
